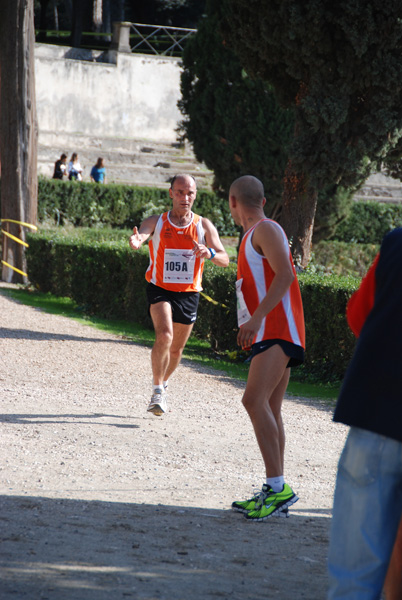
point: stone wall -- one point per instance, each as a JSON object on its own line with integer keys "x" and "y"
{"x": 110, "y": 94}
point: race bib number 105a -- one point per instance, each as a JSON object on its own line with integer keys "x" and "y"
{"x": 178, "y": 266}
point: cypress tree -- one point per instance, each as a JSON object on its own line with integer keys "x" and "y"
{"x": 339, "y": 65}
{"x": 234, "y": 122}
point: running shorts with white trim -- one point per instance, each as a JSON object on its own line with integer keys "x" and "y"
{"x": 184, "y": 304}
{"x": 295, "y": 352}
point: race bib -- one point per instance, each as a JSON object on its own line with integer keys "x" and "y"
{"x": 178, "y": 266}
{"x": 243, "y": 314}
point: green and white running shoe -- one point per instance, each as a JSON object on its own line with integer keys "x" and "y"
{"x": 273, "y": 504}
{"x": 244, "y": 506}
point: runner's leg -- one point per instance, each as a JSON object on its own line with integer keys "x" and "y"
{"x": 181, "y": 333}
{"x": 266, "y": 383}
{"x": 161, "y": 314}
{"x": 275, "y": 403}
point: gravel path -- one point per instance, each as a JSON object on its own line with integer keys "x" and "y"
{"x": 100, "y": 500}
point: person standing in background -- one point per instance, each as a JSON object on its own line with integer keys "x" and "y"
{"x": 60, "y": 167}
{"x": 98, "y": 172}
{"x": 74, "y": 168}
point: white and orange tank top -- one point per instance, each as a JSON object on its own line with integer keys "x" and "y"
{"x": 254, "y": 277}
{"x": 172, "y": 264}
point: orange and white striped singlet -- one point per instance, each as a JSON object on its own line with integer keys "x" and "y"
{"x": 173, "y": 266}
{"x": 254, "y": 277}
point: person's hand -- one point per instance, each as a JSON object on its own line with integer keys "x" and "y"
{"x": 135, "y": 239}
{"x": 247, "y": 332}
{"x": 200, "y": 250}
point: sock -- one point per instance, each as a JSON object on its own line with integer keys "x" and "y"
{"x": 165, "y": 384}
{"x": 276, "y": 483}
{"x": 158, "y": 387}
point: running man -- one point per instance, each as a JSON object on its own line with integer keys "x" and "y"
{"x": 271, "y": 321}
{"x": 181, "y": 241}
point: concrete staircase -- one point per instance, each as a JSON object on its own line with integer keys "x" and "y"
{"x": 380, "y": 188}
{"x": 128, "y": 161}
{"x": 150, "y": 163}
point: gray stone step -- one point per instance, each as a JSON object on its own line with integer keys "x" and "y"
{"x": 116, "y": 159}
{"x": 137, "y": 174}
{"x": 150, "y": 163}
{"x": 369, "y": 198}
{"x": 380, "y": 188}
{"x": 77, "y": 140}
{"x": 135, "y": 162}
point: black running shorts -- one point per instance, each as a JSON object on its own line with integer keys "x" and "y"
{"x": 184, "y": 304}
{"x": 295, "y": 352}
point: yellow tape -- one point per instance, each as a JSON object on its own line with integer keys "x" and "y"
{"x": 212, "y": 300}
{"x": 20, "y": 223}
{"x": 14, "y": 268}
{"x": 16, "y": 240}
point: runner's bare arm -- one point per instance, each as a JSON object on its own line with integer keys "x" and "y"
{"x": 142, "y": 234}
{"x": 212, "y": 241}
{"x": 268, "y": 241}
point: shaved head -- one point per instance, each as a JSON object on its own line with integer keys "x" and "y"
{"x": 182, "y": 176}
{"x": 248, "y": 190}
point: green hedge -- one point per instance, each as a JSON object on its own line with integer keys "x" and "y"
{"x": 123, "y": 206}
{"x": 88, "y": 205}
{"x": 329, "y": 341}
{"x": 106, "y": 277}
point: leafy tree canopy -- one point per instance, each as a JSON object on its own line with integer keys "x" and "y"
{"x": 234, "y": 122}
{"x": 340, "y": 64}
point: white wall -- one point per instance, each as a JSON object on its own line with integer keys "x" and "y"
{"x": 134, "y": 98}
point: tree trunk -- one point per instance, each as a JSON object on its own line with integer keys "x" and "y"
{"x": 299, "y": 203}
{"x": 97, "y": 14}
{"x": 19, "y": 131}
{"x": 298, "y": 212}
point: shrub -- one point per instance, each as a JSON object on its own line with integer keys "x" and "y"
{"x": 342, "y": 258}
{"x": 368, "y": 222}
{"x": 107, "y": 278}
{"x": 329, "y": 341}
{"x": 83, "y": 204}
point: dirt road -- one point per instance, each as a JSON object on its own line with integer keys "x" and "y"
{"x": 100, "y": 500}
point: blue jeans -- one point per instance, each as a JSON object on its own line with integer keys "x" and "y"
{"x": 367, "y": 510}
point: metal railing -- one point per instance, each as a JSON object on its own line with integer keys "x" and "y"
{"x": 159, "y": 39}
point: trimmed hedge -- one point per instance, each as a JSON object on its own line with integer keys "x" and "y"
{"x": 123, "y": 206}
{"x": 84, "y": 204}
{"x": 103, "y": 277}
{"x": 106, "y": 277}
{"x": 329, "y": 341}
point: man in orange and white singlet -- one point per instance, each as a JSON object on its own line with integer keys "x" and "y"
{"x": 180, "y": 242}
{"x": 271, "y": 322}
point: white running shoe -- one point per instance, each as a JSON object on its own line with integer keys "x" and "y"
{"x": 158, "y": 404}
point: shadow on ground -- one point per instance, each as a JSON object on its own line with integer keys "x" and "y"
{"x": 44, "y": 336}
{"x": 71, "y": 550}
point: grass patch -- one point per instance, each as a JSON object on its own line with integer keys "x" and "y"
{"x": 196, "y": 350}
